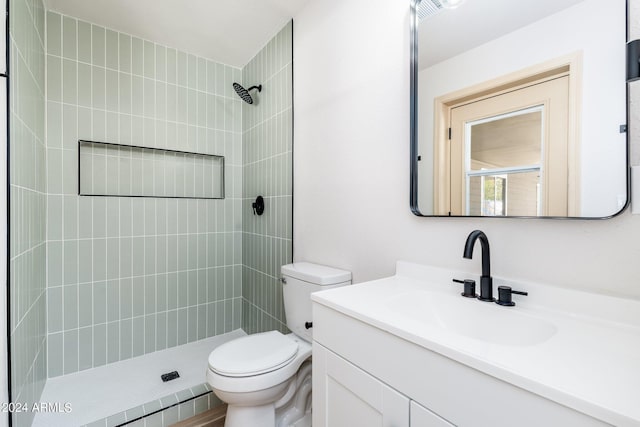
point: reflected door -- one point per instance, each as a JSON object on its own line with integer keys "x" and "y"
{"x": 508, "y": 153}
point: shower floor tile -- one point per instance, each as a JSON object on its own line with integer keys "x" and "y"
{"x": 100, "y": 392}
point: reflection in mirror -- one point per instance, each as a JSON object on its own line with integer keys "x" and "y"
{"x": 503, "y": 172}
{"x": 517, "y": 108}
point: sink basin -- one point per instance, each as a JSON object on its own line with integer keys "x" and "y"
{"x": 471, "y": 318}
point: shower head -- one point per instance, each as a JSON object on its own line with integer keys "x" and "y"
{"x": 244, "y": 93}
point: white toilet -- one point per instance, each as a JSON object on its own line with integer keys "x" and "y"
{"x": 266, "y": 378}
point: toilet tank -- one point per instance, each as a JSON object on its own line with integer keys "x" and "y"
{"x": 299, "y": 280}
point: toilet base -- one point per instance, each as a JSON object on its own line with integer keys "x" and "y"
{"x": 285, "y": 405}
{"x": 261, "y": 416}
{"x": 303, "y": 422}
{"x": 255, "y": 409}
{"x": 295, "y": 411}
{"x": 255, "y": 416}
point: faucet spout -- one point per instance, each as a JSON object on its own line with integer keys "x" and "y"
{"x": 486, "y": 282}
{"x": 486, "y": 257}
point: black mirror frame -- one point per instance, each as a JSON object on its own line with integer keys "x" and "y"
{"x": 413, "y": 127}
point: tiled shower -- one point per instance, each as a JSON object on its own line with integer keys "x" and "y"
{"x": 97, "y": 280}
{"x": 129, "y": 276}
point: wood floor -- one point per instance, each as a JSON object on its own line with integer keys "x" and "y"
{"x": 211, "y": 418}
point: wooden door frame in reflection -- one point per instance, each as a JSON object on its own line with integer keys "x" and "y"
{"x": 570, "y": 65}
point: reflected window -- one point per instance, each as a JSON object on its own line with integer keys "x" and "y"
{"x": 494, "y": 196}
{"x": 503, "y": 163}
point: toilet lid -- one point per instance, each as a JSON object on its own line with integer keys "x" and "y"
{"x": 253, "y": 355}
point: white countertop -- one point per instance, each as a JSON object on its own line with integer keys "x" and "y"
{"x": 591, "y": 363}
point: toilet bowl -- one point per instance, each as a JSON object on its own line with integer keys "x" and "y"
{"x": 265, "y": 378}
{"x": 254, "y": 387}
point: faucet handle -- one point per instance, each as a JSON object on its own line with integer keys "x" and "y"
{"x": 469, "y": 288}
{"x": 504, "y": 295}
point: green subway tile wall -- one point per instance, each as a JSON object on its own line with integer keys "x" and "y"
{"x": 28, "y": 205}
{"x": 129, "y": 276}
{"x": 267, "y": 128}
{"x": 95, "y": 280}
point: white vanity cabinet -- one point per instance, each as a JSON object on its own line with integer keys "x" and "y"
{"x": 346, "y": 396}
{"x": 365, "y": 376}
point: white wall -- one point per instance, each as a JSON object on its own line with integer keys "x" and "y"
{"x": 351, "y": 170}
{"x": 586, "y": 27}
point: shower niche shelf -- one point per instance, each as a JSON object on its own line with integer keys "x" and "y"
{"x": 118, "y": 170}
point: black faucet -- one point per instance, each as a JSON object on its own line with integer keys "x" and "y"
{"x": 486, "y": 283}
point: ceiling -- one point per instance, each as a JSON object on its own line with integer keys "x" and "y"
{"x": 451, "y": 32}
{"x": 226, "y": 31}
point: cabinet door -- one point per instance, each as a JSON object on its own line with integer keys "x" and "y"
{"x": 346, "y": 396}
{"x": 422, "y": 417}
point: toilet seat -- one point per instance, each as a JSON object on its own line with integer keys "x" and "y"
{"x": 252, "y": 383}
{"x": 253, "y": 355}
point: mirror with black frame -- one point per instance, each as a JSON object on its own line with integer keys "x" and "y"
{"x": 518, "y": 108}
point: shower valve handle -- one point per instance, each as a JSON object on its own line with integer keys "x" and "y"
{"x": 258, "y": 206}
